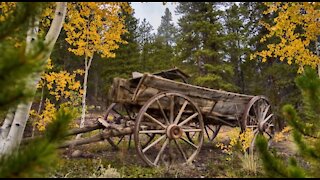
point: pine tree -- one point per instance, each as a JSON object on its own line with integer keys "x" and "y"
{"x": 161, "y": 49}
{"x": 200, "y": 42}
{"x": 236, "y": 48}
{"x": 305, "y": 132}
{"x": 145, "y": 38}
{"x": 167, "y": 30}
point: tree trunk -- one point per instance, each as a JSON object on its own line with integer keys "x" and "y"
{"x": 21, "y": 116}
{"x": 39, "y": 110}
{"x": 5, "y": 128}
{"x": 85, "y": 84}
{"x": 18, "y": 125}
{"x": 99, "y": 137}
{"x": 318, "y": 54}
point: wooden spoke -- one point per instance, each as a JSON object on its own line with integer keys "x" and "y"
{"x": 152, "y": 131}
{"x": 256, "y": 111}
{"x": 151, "y": 137}
{"x": 252, "y": 126}
{"x": 162, "y": 111}
{"x": 255, "y": 132}
{"x": 191, "y": 157}
{"x": 188, "y": 119}
{"x": 187, "y": 141}
{"x": 153, "y": 143}
{"x": 154, "y": 120}
{"x": 192, "y": 130}
{"x": 265, "y": 112}
{"x": 180, "y": 150}
{"x": 180, "y": 112}
{"x": 267, "y": 119}
{"x": 171, "y": 109}
{"x": 161, "y": 151}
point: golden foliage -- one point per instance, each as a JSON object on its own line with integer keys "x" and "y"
{"x": 95, "y": 27}
{"x": 64, "y": 88}
{"x": 5, "y": 9}
{"x": 236, "y": 138}
{"x": 280, "y": 136}
{"x": 45, "y": 117}
{"x": 296, "y": 27}
{"x": 61, "y": 83}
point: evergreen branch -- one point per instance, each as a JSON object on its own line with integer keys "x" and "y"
{"x": 63, "y": 117}
{"x": 34, "y": 159}
{"x": 20, "y": 15}
{"x": 14, "y": 70}
{"x": 293, "y": 120}
{"x": 303, "y": 147}
{"x": 294, "y": 170}
{"x": 273, "y": 166}
{"x": 309, "y": 85}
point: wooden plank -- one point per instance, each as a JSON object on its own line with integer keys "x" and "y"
{"x": 194, "y": 91}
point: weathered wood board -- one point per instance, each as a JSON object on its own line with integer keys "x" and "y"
{"x": 138, "y": 92}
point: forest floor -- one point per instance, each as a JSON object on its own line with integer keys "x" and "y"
{"x": 100, "y": 158}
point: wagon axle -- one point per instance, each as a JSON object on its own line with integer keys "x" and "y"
{"x": 263, "y": 126}
{"x": 174, "y": 131}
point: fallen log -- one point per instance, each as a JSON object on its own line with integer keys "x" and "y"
{"x": 107, "y": 133}
{"x": 70, "y": 132}
{"x": 84, "y": 129}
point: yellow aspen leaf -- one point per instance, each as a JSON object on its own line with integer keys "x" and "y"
{"x": 294, "y": 46}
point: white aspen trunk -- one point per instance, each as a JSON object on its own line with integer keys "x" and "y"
{"x": 84, "y": 95}
{"x": 17, "y": 128}
{"x": 4, "y": 130}
{"x": 21, "y": 116}
{"x": 18, "y": 125}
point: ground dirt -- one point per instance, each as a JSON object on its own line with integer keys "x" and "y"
{"x": 211, "y": 161}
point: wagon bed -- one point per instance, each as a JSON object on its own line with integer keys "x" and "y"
{"x": 137, "y": 91}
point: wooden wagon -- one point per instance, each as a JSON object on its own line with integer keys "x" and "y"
{"x": 169, "y": 118}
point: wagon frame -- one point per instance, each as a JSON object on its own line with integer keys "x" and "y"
{"x": 180, "y": 113}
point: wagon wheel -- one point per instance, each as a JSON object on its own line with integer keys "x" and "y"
{"x": 119, "y": 113}
{"x": 259, "y": 118}
{"x": 161, "y": 117}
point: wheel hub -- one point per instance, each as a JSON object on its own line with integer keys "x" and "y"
{"x": 174, "y": 131}
{"x": 262, "y": 126}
